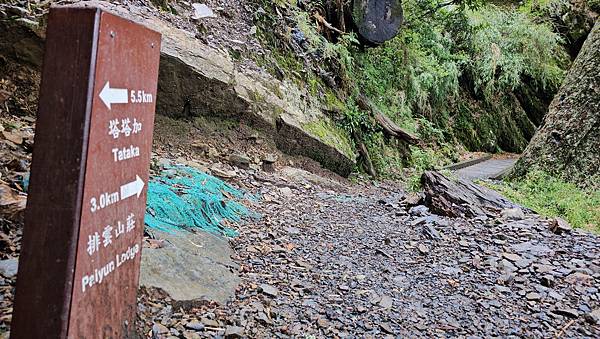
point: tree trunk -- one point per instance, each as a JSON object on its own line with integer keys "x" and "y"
{"x": 377, "y": 21}
{"x": 387, "y": 126}
{"x": 568, "y": 142}
{"x": 460, "y": 198}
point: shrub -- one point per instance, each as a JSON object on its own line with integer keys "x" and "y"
{"x": 507, "y": 47}
{"x": 550, "y": 196}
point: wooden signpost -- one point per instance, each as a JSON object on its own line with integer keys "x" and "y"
{"x": 81, "y": 248}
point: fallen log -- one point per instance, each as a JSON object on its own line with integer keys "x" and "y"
{"x": 391, "y": 129}
{"x": 387, "y": 125}
{"x": 461, "y": 198}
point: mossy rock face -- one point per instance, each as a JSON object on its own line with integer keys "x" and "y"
{"x": 331, "y": 135}
{"x": 294, "y": 139}
{"x": 567, "y": 143}
{"x": 503, "y": 125}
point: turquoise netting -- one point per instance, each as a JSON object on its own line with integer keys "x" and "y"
{"x": 182, "y": 198}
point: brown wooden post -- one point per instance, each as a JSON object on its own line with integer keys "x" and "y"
{"x": 81, "y": 249}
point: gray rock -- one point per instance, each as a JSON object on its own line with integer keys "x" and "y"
{"x": 9, "y": 267}
{"x": 269, "y": 290}
{"x": 286, "y": 191}
{"x": 239, "y": 160}
{"x": 190, "y": 267}
{"x": 158, "y": 330}
{"x": 559, "y": 226}
{"x": 512, "y": 214}
{"x": 234, "y": 332}
{"x": 195, "y": 325}
{"x": 202, "y": 11}
{"x": 419, "y": 210}
{"x": 593, "y": 317}
{"x": 386, "y": 302}
{"x": 566, "y": 312}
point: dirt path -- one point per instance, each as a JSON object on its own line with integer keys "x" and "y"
{"x": 487, "y": 169}
{"x": 357, "y": 264}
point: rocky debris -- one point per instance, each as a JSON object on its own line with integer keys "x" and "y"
{"x": 559, "y": 226}
{"x": 190, "y": 267}
{"x": 515, "y": 213}
{"x": 9, "y": 267}
{"x": 268, "y": 163}
{"x": 202, "y": 11}
{"x": 461, "y": 198}
{"x": 12, "y": 204}
{"x": 269, "y": 290}
{"x": 353, "y": 263}
{"x": 240, "y": 160}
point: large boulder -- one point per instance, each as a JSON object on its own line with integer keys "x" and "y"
{"x": 190, "y": 267}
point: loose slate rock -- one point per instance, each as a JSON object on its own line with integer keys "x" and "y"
{"x": 559, "y": 226}
{"x": 567, "y": 312}
{"x": 533, "y": 296}
{"x": 9, "y": 267}
{"x": 269, "y": 290}
{"x": 423, "y": 249}
{"x": 195, "y": 325}
{"x": 234, "y": 332}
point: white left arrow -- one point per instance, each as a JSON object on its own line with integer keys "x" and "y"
{"x": 132, "y": 188}
{"x": 113, "y": 95}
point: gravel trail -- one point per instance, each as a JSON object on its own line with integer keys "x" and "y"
{"x": 359, "y": 264}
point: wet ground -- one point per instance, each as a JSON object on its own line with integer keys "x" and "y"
{"x": 356, "y": 262}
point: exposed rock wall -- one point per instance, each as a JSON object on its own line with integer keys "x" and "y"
{"x": 568, "y": 142}
{"x": 197, "y": 80}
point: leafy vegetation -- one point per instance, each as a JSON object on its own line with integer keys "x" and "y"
{"x": 550, "y": 196}
{"x": 449, "y": 77}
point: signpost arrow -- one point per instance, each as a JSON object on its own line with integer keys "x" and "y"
{"x": 113, "y": 95}
{"x": 132, "y": 188}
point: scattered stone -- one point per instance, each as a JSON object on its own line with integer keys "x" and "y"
{"x": 202, "y": 11}
{"x": 578, "y": 277}
{"x": 512, "y": 214}
{"x": 269, "y": 290}
{"x": 9, "y": 267}
{"x": 195, "y": 325}
{"x": 532, "y": 296}
{"x": 593, "y": 317}
{"x": 560, "y": 226}
{"x": 239, "y": 160}
{"x": 511, "y": 256}
{"x": 386, "y": 302}
{"x": 385, "y": 327}
{"x": 423, "y": 249}
{"x": 548, "y": 280}
{"x": 286, "y": 191}
{"x": 419, "y": 210}
{"x": 431, "y": 232}
{"x": 209, "y": 322}
{"x": 158, "y": 330}
{"x": 234, "y": 332}
{"x": 566, "y": 312}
